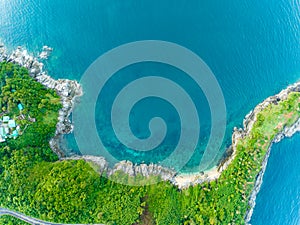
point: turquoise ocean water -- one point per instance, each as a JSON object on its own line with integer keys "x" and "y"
{"x": 252, "y": 47}
{"x": 278, "y": 201}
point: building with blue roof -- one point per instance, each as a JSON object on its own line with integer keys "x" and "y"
{"x": 5, "y": 119}
{"x": 9, "y": 128}
{"x": 20, "y": 106}
{"x": 11, "y": 123}
{"x": 15, "y": 134}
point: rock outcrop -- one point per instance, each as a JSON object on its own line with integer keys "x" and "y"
{"x": 143, "y": 169}
{"x": 251, "y": 118}
{"x": 127, "y": 167}
{"x": 186, "y": 180}
{"x": 46, "y": 52}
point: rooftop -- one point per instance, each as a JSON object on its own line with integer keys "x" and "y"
{"x": 5, "y": 118}
{"x": 11, "y": 123}
{"x": 20, "y": 106}
{"x": 8, "y": 128}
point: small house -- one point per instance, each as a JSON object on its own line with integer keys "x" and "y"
{"x": 20, "y": 106}
{"x": 15, "y": 134}
{"x": 5, "y": 119}
{"x": 11, "y": 123}
{"x": 2, "y": 132}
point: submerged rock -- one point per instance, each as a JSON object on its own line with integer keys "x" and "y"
{"x": 46, "y": 52}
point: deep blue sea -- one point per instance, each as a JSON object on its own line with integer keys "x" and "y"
{"x": 278, "y": 201}
{"x": 252, "y": 47}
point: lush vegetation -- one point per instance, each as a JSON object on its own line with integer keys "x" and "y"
{"x": 8, "y": 220}
{"x": 33, "y": 182}
{"x": 39, "y": 103}
{"x": 225, "y": 201}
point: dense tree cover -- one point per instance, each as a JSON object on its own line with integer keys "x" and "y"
{"x": 8, "y": 220}
{"x": 33, "y": 182}
{"x": 226, "y": 200}
{"x": 16, "y": 86}
{"x": 39, "y": 103}
{"x": 65, "y": 191}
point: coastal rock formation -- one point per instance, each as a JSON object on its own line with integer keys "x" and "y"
{"x": 3, "y": 55}
{"x": 186, "y": 180}
{"x": 127, "y": 167}
{"x": 68, "y": 90}
{"x": 287, "y": 132}
{"x": 143, "y": 169}
{"x": 46, "y": 52}
{"x": 251, "y": 118}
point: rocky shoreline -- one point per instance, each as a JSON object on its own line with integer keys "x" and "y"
{"x": 286, "y": 133}
{"x": 68, "y": 90}
{"x": 250, "y": 119}
{"x": 127, "y": 167}
{"x": 186, "y": 180}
